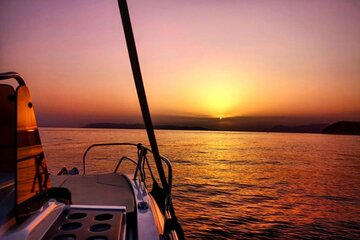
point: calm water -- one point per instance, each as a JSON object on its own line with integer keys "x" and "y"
{"x": 233, "y": 185}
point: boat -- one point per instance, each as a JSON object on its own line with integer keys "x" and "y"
{"x": 113, "y": 205}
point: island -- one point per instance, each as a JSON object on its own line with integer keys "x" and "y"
{"x": 343, "y": 127}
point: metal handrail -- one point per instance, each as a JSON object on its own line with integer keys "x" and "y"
{"x": 102, "y": 144}
{"x": 169, "y": 166}
{"x": 141, "y": 156}
{"x": 9, "y": 75}
{"x": 120, "y": 161}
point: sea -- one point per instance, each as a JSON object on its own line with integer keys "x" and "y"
{"x": 240, "y": 185}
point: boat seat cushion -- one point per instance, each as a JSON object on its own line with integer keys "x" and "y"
{"x": 106, "y": 189}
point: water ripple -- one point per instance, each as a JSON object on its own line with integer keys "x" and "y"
{"x": 246, "y": 185}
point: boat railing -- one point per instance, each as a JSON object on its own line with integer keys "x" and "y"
{"x": 140, "y": 162}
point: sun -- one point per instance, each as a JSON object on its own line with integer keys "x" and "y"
{"x": 214, "y": 93}
{"x": 218, "y": 100}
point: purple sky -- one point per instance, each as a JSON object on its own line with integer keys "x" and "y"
{"x": 200, "y": 58}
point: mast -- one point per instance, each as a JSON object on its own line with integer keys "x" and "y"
{"x": 135, "y": 66}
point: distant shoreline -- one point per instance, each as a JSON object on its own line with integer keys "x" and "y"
{"x": 142, "y": 126}
{"x": 340, "y": 128}
{"x": 343, "y": 128}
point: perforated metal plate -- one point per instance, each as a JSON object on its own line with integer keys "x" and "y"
{"x": 88, "y": 223}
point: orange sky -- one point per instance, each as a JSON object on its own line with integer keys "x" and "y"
{"x": 199, "y": 58}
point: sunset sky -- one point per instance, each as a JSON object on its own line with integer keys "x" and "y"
{"x": 201, "y": 59}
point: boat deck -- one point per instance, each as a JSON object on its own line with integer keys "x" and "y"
{"x": 106, "y": 189}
